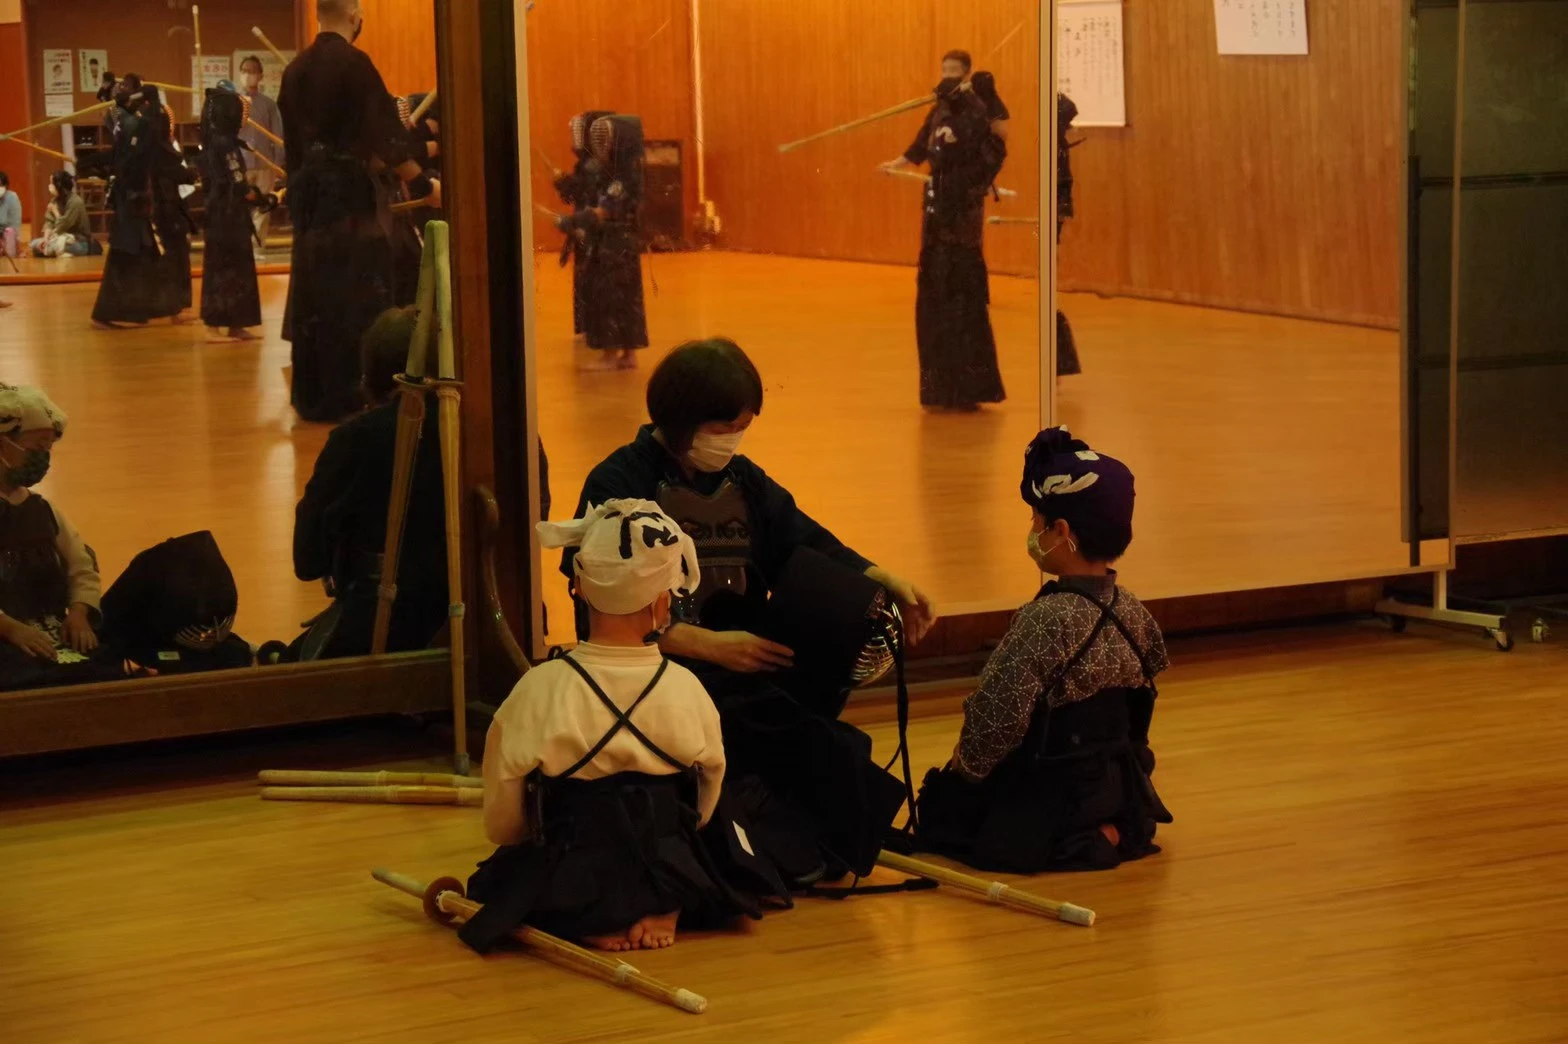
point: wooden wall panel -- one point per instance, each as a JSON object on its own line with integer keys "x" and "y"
{"x": 399, "y": 35}
{"x": 1270, "y": 184}
{"x": 607, "y": 54}
{"x": 776, "y": 70}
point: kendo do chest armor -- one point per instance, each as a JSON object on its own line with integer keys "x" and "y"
{"x": 720, "y": 526}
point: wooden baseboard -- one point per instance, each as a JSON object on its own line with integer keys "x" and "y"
{"x": 41, "y": 720}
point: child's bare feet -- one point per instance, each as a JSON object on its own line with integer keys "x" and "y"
{"x": 658, "y": 930}
{"x": 630, "y": 939}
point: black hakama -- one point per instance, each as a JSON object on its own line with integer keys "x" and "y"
{"x": 613, "y": 314}
{"x": 230, "y": 298}
{"x": 1042, "y": 807}
{"x": 338, "y": 117}
{"x": 128, "y": 289}
{"x": 614, "y": 850}
{"x": 957, "y": 348}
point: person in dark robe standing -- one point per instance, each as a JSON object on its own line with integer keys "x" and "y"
{"x": 171, "y": 219}
{"x": 341, "y": 129}
{"x": 230, "y": 299}
{"x": 578, "y": 189}
{"x": 1066, "y": 348}
{"x": 614, "y": 320}
{"x": 125, "y": 290}
{"x": 958, "y": 367}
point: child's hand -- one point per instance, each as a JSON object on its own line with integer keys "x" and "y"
{"x": 79, "y": 632}
{"x": 29, "y": 639}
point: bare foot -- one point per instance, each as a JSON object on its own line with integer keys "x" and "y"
{"x": 217, "y": 336}
{"x": 630, "y": 939}
{"x": 658, "y": 930}
{"x": 116, "y": 326}
{"x": 183, "y": 319}
{"x": 628, "y": 359}
{"x": 240, "y": 333}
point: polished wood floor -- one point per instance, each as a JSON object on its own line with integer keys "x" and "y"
{"x": 1371, "y": 845}
{"x": 1266, "y": 450}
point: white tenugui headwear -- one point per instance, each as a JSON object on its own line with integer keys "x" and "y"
{"x": 628, "y": 553}
{"x": 28, "y": 409}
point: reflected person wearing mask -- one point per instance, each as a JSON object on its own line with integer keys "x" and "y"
{"x": 702, "y": 399}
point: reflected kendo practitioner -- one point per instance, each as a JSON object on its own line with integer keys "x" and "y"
{"x": 1052, "y": 768}
{"x": 230, "y": 299}
{"x": 171, "y": 218}
{"x": 341, "y": 128}
{"x": 608, "y": 276}
{"x": 822, "y": 806}
{"x": 579, "y": 188}
{"x": 129, "y": 292}
{"x": 960, "y": 141}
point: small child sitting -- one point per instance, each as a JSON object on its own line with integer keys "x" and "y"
{"x": 49, "y": 583}
{"x": 1052, "y": 767}
{"x": 602, "y": 764}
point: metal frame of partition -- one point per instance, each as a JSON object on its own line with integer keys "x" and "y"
{"x": 1492, "y": 621}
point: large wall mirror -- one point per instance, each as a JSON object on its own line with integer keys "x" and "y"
{"x": 174, "y": 431}
{"x": 896, "y": 403}
{"x": 1228, "y": 272}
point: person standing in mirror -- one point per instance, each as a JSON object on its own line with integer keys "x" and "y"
{"x": 958, "y": 366}
{"x": 263, "y": 111}
{"x": 341, "y": 128}
{"x": 230, "y": 299}
{"x": 128, "y": 290}
{"x": 1066, "y": 348}
{"x": 579, "y": 188}
{"x": 615, "y": 323}
{"x": 171, "y": 219}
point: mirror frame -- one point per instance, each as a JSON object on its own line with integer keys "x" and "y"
{"x": 66, "y": 718}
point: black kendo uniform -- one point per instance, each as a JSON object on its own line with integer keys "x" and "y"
{"x": 613, "y": 315}
{"x": 170, "y": 217}
{"x": 127, "y": 290}
{"x": 579, "y": 188}
{"x": 337, "y": 119}
{"x": 958, "y": 365}
{"x": 1066, "y": 348}
{"x": 817, "y": 804}
{"x": 229, "y": 296}
{"x": 340, "y": 532}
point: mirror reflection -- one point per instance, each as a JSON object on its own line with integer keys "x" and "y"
{"x": 221, "y": 212}
{"x": 853, "y": 227}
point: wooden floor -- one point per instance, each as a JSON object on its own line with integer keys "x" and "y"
{"x": 1371, "y": 845}
{"x": 1266, "y": 449}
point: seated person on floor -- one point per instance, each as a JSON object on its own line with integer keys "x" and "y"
{"x": 67, "y": 230}
{"x": 701, "y": 399}
{"x": 1052, "y": 767}
{"x": 602, "y": 764}
{"x": 340, "y": 524}
{"x": 49, "y": 583}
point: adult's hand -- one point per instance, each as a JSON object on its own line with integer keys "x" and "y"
{"x": 913, "y": 604}
{"x": 29, "y": 639}
{"x": 738, "y": 651}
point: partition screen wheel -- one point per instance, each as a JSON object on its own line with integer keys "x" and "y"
{"x": 1396, "y": 623}
{"x": 1504, "y": 640}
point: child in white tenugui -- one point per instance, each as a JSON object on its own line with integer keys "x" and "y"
{"x": 602, "y": 764}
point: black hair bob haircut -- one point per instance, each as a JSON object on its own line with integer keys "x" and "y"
{"x": 698, "y": 383}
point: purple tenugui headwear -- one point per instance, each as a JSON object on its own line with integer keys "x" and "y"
{"x": 1064, "y": 478}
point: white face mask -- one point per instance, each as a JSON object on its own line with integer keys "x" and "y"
{"x": 713, "y": 452}
{"x": 1043, "y": 555}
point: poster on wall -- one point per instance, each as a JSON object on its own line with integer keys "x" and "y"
{"x": 1090, "y": 61}
{"x": 215, "y": 68}
{"x": 59, "y": 105}
{"x": 271, "y": 69}
{"x": 59, "y": 77}
{"x": 90, "y": 67}
{"x": 1261, "y": 26}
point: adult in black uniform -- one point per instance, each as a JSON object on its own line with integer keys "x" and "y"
{"x": 958, "y": 366}
{"x": 340, "y": 128}
{"x": 170, "y": 218}
{"x": 230, "y": 300}
{"x": 126, "y": 290}
{"x": 701, "y": 400}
